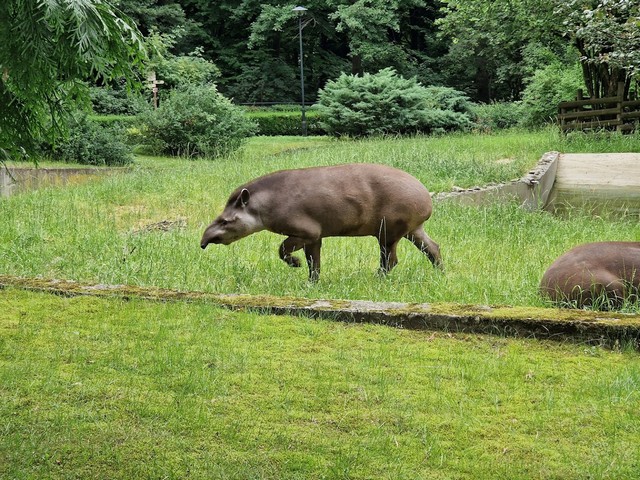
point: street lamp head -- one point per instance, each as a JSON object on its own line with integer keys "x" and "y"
{"x": 299, "y": 10}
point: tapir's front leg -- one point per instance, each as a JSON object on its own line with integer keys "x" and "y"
{"x": 290, "y": 245}
{"x": 388, "y": 255}
{"x": 311, "y": 253}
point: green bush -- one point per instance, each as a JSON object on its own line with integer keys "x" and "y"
{"x": 89, "y": 143}
{"x": 548, "y": 87}
{"x": 114, "y": 120}
{"x": 447, "y": 98}
{"x": 197, "y": 121}
{"x": 385, "y": 103}
{"x": 272, "y": 123}
{"x": 498, "y": 115}
{"x": 186, "y": 69}
{"x": 110, "y": 101}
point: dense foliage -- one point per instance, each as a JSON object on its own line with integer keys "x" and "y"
{"x": 548, "y": 87}
{"x": 197, "y": 121}
{"x": 606, "y": 33}
{"x": 501, "y": 51}
{"x": 48, "y": 50}
{"x": 274, "y": 122}
{"x": 386, "y": 103}
{"x": 489, "y": 50}
{"x": 116, "y": 101}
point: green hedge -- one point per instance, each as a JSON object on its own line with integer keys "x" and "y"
{"x": 110, "y": 120}
{"x": 272, "y": 123}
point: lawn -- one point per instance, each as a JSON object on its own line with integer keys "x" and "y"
{"x": 106, "y": 388}
{"x": 98, "y": 388}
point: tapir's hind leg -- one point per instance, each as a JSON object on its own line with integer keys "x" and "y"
{"x": 388, "y": 256}
{"x": 427, "y": 246}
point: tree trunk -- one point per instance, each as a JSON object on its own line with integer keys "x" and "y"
{"x": 482, "y": 82}
{"x": 356, "y": 65}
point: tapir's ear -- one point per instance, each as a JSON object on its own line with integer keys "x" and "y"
{"x": 243, "y": 198}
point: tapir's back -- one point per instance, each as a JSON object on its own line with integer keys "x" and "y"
{"x": 353, "y": 199}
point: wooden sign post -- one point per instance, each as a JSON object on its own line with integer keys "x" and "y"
{"x": 153, "y": 85}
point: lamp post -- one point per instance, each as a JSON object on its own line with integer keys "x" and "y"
{"x": 300, "y": 11}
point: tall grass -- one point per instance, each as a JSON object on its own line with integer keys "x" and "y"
{"x": 104, "y": 231}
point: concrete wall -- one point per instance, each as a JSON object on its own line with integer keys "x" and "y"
{"x": 532, "y": 190}
{"x": 19, "y": 179}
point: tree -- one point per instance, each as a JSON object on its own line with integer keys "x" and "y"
{"x": 254, "y": 42}
{"x": 607, "y": 35}
{"x": 491, "y": 42}
{"x": 47, "y": 51}
{"x": 159, "y": 15}
{"x": 374, "y": 34}
{"x": 488, "y": 55}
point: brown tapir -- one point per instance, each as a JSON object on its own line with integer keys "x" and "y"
{"x": 309, "y": 204}
{"x": 602, "y": 275}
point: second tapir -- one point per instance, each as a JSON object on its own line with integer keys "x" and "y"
{"x": 309, "y": 204}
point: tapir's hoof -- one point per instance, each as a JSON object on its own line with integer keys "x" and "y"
{"x": 294, "y": 262}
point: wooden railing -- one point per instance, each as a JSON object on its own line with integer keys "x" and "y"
{"x": 609, "y": 113}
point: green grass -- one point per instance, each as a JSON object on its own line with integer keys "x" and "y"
{"x": 96, "y": 388}
{"x": 99, "y": 232}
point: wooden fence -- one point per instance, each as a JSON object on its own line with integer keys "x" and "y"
{"x": 609, "y": 113}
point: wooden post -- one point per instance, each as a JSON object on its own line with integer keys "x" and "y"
{"x": 620, "y": 95}
{"x": 153, "y": 85}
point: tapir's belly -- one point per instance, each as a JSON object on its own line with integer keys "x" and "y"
{"x": 352, "y": 219}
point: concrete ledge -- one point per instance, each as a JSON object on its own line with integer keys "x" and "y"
{"x": 19, "y": 179}
{"x": 531, "y": 191}
{"x": 607, "y": 329}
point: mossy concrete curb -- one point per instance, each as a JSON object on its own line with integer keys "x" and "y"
{"x": 602, "y": 328}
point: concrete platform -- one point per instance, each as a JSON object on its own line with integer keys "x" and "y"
{"x": 598, "y": 182}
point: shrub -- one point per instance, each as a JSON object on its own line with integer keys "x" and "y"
{"x": 186, "y": 69}
{"x": 197, "y": 120}
{"x": 114, "y": 120}
{"x": 548, "y": 87}
{"x": 447, "y": 98}
{"x": 89, "y": 143}
{"x": 386, "y": 103}
{"x": 109, "y": 101}
{"x": 498, "y": 115}
{"x": 286, "y": 122}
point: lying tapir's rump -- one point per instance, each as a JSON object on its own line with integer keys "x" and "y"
{"x": 605, "y": 273}
{"x": 309, "y": 204}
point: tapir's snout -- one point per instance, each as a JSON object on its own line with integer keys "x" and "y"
{"x": 216, "y": 240}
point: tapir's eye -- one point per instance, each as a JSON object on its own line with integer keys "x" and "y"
{"x": 224, "y": 222}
